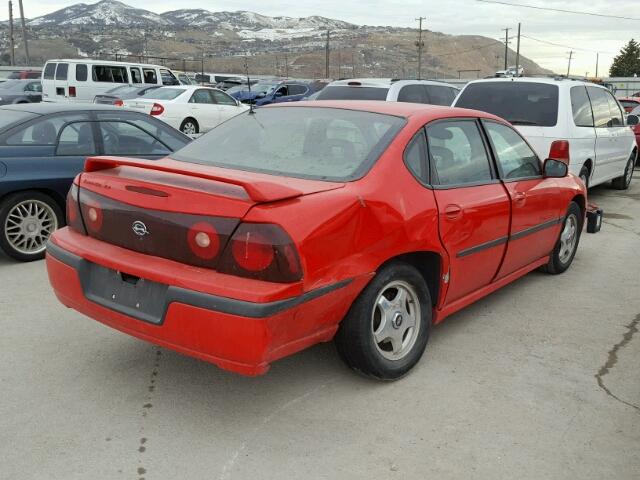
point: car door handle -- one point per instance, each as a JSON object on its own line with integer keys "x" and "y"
{"x": 453, "y": 212}
{"x": 520, "y": 198}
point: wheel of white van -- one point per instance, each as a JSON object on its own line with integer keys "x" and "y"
{"x": 623, "y": 182}
{"x": 28, "y": 219}
{"x": 584, "y": 175}
{"x": 189, "y": 127}
{"x": 565, "y": 250}
{"x": 387, "y": 328}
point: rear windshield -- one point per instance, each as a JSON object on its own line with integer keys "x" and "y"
{"x": 353, "y": 93}
{"x": 521, "y": 103}
{"x": 164, "y": 93}
{"x": 13, "y": 86}
{"x": 123, "y": 90}
{"x": 628, "y": 103}
{"x": 49, "y": 71}
{"x": 317, "y": 143}
{"x": 11, "y": 117}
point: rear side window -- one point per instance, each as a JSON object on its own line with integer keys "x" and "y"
{"x": 297, "y": 89}
{"x": 458, "y": 154}
{"x": 43, "y": 131}
{"x": 81, "y": 73}
{"x": 136, "y": 76}
{"x": 201, "y": 96}
{"x": 415, "y": 157}
{"x": 581, "y": 107}
{"x": 515, "y": 158}
{"x": 222, "y": 98}
{"x": 62, "y": 71}
{"x": 150, "y": 75}
{"x": 12, "y": 117}
{"x": 110, "y": 74}
{"x": 353, "y": 93}
{"x": 520, "y": 103}
{"x": 49, "y": 71}
{"x": 440, "y": 95}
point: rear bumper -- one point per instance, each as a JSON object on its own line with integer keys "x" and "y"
{"x": 235, "y": 334}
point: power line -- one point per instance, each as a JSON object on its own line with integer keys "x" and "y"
{"x": 564, "y": 46}
{"x": 549, "y": 9}
{"x": 470, "y": 50}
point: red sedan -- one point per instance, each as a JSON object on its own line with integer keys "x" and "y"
{"x": 363, "y": 222}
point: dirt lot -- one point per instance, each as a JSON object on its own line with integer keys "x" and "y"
{"x": 539, "y": 381}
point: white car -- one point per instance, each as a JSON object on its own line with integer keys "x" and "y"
{"x": 189, "y": 108}
{"x": 390, "y": 90}
{"x": 601, "y": 145}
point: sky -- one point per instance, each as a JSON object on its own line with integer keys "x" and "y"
{"x": 585, "y": 35}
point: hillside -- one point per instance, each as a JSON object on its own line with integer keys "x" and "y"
{"x": 272, "y": 45}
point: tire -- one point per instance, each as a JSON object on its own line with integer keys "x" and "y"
{"x": 189, "y": 126}
{"x": 19, "y": 214}
{"x": 623, "y": 182}
{"x": 402, "y": 332}
{"x": 584, "y": 175}
{"x": 563, "y": 254}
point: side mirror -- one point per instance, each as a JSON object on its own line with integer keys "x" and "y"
{"x": 261, "y": 95}
{"x": 555, "y": 168}
{"x": 633, "y": 120}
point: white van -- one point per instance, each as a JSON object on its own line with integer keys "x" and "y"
{"x": 79, "y": 81}
{"x": 602, "y": 147}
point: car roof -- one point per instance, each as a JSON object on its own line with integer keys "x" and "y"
{"x": 46, "y": 108}
{"x": 385, "y": 82}
{"x": 104, "y": 62}
{"x": 398, "y": 109}
{"x": 560, "y": 81}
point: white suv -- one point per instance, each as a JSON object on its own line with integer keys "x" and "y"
{"x": 602, "y": 146}
{"x": 390, "y": 90}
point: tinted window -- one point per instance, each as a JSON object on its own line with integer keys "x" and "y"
{"x": 415, "y": 157}
{"x": 412, "y": 94}
{"x": 581, "y": 107}
{"x": 10, "y": 117}
{"x": 600, "y": 102}
{"x": 44, "y": 131}
{"x": 458, "y": 154}
{"x": 222, "y": 98}
{"x": 12, "y": 86}
{"x": 173, "y": 139}
{"x": 320, "y": 143}
{"x": 109, "y": 73}
{"x": 149, "y": 75}
{"x": 617, "y": 117}
{"x": 62, "y": 71}
{"x": 81, "y": 73}
{"x": 49, "y": 71}
{"x": 297, "y": 89}
{"x": 136, "y": 76}
{"x": 201, "y": 96}
{"x": 521, "y": 103}
{"x": 122, "y": 138}
{"x": 76, "y": 139}
{"x": 515, "y": 158}
{"x": 353, "y": 93}
{"x": 164, "y": 93}
{"x": 440, "y": 95}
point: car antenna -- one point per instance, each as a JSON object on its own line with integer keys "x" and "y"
{"x": 246, "y": 69}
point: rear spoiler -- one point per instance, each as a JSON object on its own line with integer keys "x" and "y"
{"x": 260, "y": 191}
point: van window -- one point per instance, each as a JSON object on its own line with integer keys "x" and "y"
{"x": 136, "y": 76}
{"x": 581, "y": 107}
{"x": 150, "y": 75}
{"x": 49, "y": 71}
{"x": 61, "y": 71}
{"x": 440, "y": 95}
{"x": 81, "y": 73}
{"x": 110, "y": 74}
{"x": 601, "y": 112}
{"x": 168, "y": 78}
{"x": 520, "y": 103}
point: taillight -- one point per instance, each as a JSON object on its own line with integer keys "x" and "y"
{"x": 118, "y": 103}
{"x": 636, "y": 129}
{"x": 157, "y": 109}
{"x": 203, "y": 240}
{"x": 74, "y": 220}
{"x": 261, "y": 251}
{"x": 560, "y": 151}
{"x": 72, "y": 91}
{"x": 91, "y": 213}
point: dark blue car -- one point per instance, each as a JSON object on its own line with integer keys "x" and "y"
{"x": 267, "y": 92}
{"x": 43, "y": 147}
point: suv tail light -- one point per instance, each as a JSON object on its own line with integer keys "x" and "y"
{"x": 261, "y": 251}
{"x": 72, "y": 91}
{"x": 118, "y": 103}
{"x": 157, "y": 109}
{"x": 560, "y": 151}
{"x": 74, "y": 219}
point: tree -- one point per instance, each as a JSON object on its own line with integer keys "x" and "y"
{"x": 627, "y": 62}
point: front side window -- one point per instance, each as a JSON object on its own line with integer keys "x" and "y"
{"x": 43, "y": 131}
{"x": 520, "y": 103}
{"x": 282, "y": 91}
{"x": 122, "y": 138}
{"x": 62, "y": 71}
{"x": 168, "y": 78}
{"x": 76, "y": 139}
{"x": 318, "y": 143}
{"x": 581, "y": 107}
{"x": 170, "y": 137}
{"x": 34, "y": 87}
{"x": 600, "y": 103}
{"x": 617, "y": 117}
{"x": 515, "y": 158}
{"x": 49, "y": 71}
{"x": 81, "y": 73}
{"x": 110, "y": 74}
{"x": 297, "y": 89}
{"x": 458, "y": 154}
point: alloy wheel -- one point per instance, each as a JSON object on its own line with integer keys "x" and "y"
{"x": 568, "y": 238}
{"x": 189, "y": 128}
{"x": 29, "y": 225}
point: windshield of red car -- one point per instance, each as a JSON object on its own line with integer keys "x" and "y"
{"x": 318, "y": 143}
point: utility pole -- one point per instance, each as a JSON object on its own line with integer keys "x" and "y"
{"x": 569, "y": 66}
{"x": 597, "y": 63}
{"x": 339, "y": 63}
{"x": 12, "y": 43}
{"x": 506, "y": 48}
{"x": 518, "y": 53}
{"x": 286, "y": 66}
{"x": 353, "y": 65}
{"x": 420, "y": 45}
{"x": 326, "y": 55}
{"x": 24, "y": 34}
